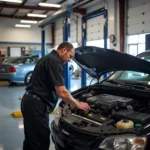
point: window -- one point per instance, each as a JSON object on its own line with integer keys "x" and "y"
{"x": 133, "y": 50}
{"x": 136, "y": 44}
{"x": 133, "y": 39}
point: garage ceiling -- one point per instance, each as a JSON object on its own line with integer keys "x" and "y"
{"x": 20, "y": 11}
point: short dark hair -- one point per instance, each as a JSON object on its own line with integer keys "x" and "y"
{"x": 66, "y": 44}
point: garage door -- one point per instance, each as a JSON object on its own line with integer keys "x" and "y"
{"x": 59, "y": 30}
{"x": 138, "y": 17}
{"x": 95, "y": 28}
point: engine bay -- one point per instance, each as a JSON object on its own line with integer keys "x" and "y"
{"x": 120, "y": 112}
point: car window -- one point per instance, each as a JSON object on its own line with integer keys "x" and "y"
{"x": 18, "y": 61}
{"x": 31, "y": 60}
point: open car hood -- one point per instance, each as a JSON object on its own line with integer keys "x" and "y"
{"x": 97, "y": 61}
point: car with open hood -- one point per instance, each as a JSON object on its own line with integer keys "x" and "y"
{"x": 119, "y": 118}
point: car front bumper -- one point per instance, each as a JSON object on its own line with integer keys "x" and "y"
{"x": 64, "y": 140}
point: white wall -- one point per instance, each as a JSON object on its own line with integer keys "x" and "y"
{"x": 9, "y": 33}
{"x": 22, "y": 37}
{"x": 95, "y": 25}
{"x": 138, "y": 16}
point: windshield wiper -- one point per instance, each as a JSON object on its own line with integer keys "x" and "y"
{"x": 118, "y": 83}
{"x": 139, "y": 85}
{"x": 130, "y": 84}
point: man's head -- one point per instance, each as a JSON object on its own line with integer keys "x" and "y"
{"x": 66, "y": 51}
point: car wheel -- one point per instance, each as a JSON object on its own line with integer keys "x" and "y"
{"x": 27, "y": 78}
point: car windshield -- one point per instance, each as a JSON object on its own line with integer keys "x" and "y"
{"x": 132, "y": 75}
{"x": 17, "y": 60}
{"x": 8, "y": 59}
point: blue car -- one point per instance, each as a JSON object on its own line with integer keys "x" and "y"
{"x": 18, "y": 69}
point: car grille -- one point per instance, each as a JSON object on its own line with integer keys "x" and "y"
{"x": 3, "y": 70}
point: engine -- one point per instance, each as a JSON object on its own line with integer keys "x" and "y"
{"x": 108, "y": 104}
{"x": 108, "y": 109}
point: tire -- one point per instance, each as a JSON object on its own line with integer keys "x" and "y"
{"x": 27, "y": 78}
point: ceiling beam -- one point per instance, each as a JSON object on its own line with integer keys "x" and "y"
{"x": 21, "y": 5}
{"x": 77, "y": 2}
{"x": 62, "y": 1}
{"x": 79, "y": 10}
{"x": 2, "y": 7}
{"x": 19, "y": 17}
{"x": 1, "y": 10}
{"x": 28, "y": 7}
{"x": 83, "y": 4}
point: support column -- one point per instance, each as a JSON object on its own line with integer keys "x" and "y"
{"x": 105, "y": 34}
{"x": 66, "y": 37}
{"x": 83, "y": 73}
{"x": 43, "y": 42}
{"x": 122, "y": 24}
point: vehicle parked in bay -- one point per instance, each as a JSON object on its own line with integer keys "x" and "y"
{"x": 3, "y": 59}
{"x": 18, "y": 69}
{"x": 119, "y": 118}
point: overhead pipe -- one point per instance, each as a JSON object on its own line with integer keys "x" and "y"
{"x": 122, "y": 24}
{"x": 50, "y": 19}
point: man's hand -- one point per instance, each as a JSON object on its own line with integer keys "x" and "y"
{"x": 67, "y": 97}
{"x": 83, "y": 106}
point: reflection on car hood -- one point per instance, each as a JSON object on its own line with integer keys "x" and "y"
{"x": 97, "y": 61}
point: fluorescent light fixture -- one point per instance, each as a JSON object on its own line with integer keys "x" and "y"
{"x": 49, "y": 5}
{"x": 37, "y": 15}
{"x": 12, "y": 1}
{"x": 22, "y": 26}
{"x": 28, "y": 21}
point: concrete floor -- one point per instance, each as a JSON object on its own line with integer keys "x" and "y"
{"x": 11, "y": 129}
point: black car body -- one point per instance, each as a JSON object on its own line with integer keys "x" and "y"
{"x": 122, "y": 97}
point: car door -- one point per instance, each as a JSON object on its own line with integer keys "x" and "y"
{"x": 27, "y": 67}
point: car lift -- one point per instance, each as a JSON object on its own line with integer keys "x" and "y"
{"x": 91, "y": 15}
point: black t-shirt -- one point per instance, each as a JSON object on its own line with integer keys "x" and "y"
{"x": 47, "y": 74}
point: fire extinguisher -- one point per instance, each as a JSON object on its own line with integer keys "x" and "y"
{"x": 0, "y": 54}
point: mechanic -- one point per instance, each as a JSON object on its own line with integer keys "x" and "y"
{"x": 41, "y": 96}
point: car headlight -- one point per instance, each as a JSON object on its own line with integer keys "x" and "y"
{"x": 123, "y": 142}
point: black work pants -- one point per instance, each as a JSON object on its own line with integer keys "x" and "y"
{"x": 36, "y": 124}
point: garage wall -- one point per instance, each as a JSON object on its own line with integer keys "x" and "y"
{"x": 58, "y": 31}
{"x": 138, "y": 17}
{"x": 138, "y": 25}
{"x": 113, "y": 22}
{"x": 95, "y": 25}
{"x": 12, "y": 34}
{"x": 75, "y": 29}
{"x": 30, "y": 38}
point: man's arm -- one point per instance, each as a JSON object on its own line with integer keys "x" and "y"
{"x": 67, "y": 97}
